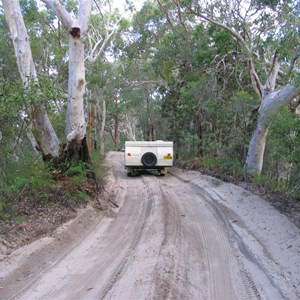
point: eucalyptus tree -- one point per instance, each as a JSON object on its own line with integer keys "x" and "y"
{"x": 76, "y": 26}
{"x": 106, "y": 25}
{"x": 184, "y": 59}
{"x": 10, "y": 85}
{"x": 152, "y": 31}
{"x": 261, "y": 28}
{"x": 134, "y": 50}
{"x": 75, "y": 119}
{"x": 141, "y": 99}
{"x": 44, "y": 133}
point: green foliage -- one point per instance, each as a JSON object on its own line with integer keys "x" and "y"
{"x": 29, "y": 181}
{"x": 222, "y": 167}
{"x": 77, "y": 169}
{"x": 77, "y": 173}
{"x": 283, "y": 154}
{"x": 11, "y": 106}
{"x": 19, "y": 219}
{"x": 22, "y": 177}
{"x": 269, "y": 3}
{"x": 226, "y": 165}
{"x": 263, "y": 181}
{"x": 222, "y": 39}
{"x": 79, "y": 196}
{"x": 71, "y": 6}
{"x": 99, "y": 166}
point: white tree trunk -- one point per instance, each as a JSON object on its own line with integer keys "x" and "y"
{"x": 32, "y": 140}
{"x": 130, "y": 128}
{"x": 267, "y": 111}
{"x": 43, "y": 131}
{"x": 75, "y": 121}
{"x": 77, "y": 28}
{"x": 255, "y": 157}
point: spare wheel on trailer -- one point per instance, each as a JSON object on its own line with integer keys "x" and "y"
{"x": 149, "y": 160}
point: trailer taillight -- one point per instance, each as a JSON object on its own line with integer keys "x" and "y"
{"x": 168, "y": 156}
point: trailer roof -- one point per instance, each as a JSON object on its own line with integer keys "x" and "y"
{"x": 148, "y": 144}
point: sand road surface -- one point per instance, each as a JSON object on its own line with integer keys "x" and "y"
{"x": 182, "y": 236}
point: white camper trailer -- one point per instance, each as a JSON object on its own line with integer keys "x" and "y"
{"x": 148, "y": 156}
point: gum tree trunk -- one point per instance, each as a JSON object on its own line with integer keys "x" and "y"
{"x": 267, "y": 110}
{"x": 271, "y": 101}
{"x": 44, "y": 134}
{"x": 76, "y": 148}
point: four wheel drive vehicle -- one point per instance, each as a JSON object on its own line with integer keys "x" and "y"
{"x": 148, "y": 156}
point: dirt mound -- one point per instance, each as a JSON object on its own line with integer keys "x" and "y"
{"x": 33, "y": 217}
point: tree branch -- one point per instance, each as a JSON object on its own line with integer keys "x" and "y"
{"x": 230, "y": 30}
{"x": 63, "y": 15}
{"x": 293, "y": 62}
{"x": 177, "y": 3}
{"x": 83, "y": 17}
{"x": 273, "y": 73}
{"x": 166, "y": 13}
{"x": 84, "y": 11}
{"x": 255, "y": 79}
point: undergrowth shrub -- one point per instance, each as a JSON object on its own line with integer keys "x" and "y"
{"x": 99, "y": 167}
{"x": 32, "y": 182}
{"x": 77, "y": 173}
{"x": 282, "y": 159}
{"x": 219, "y": 166}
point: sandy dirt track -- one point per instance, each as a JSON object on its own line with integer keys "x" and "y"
{"x": 182, "y": 236}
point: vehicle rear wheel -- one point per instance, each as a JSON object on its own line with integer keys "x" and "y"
{"x": 149, "y": 160}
